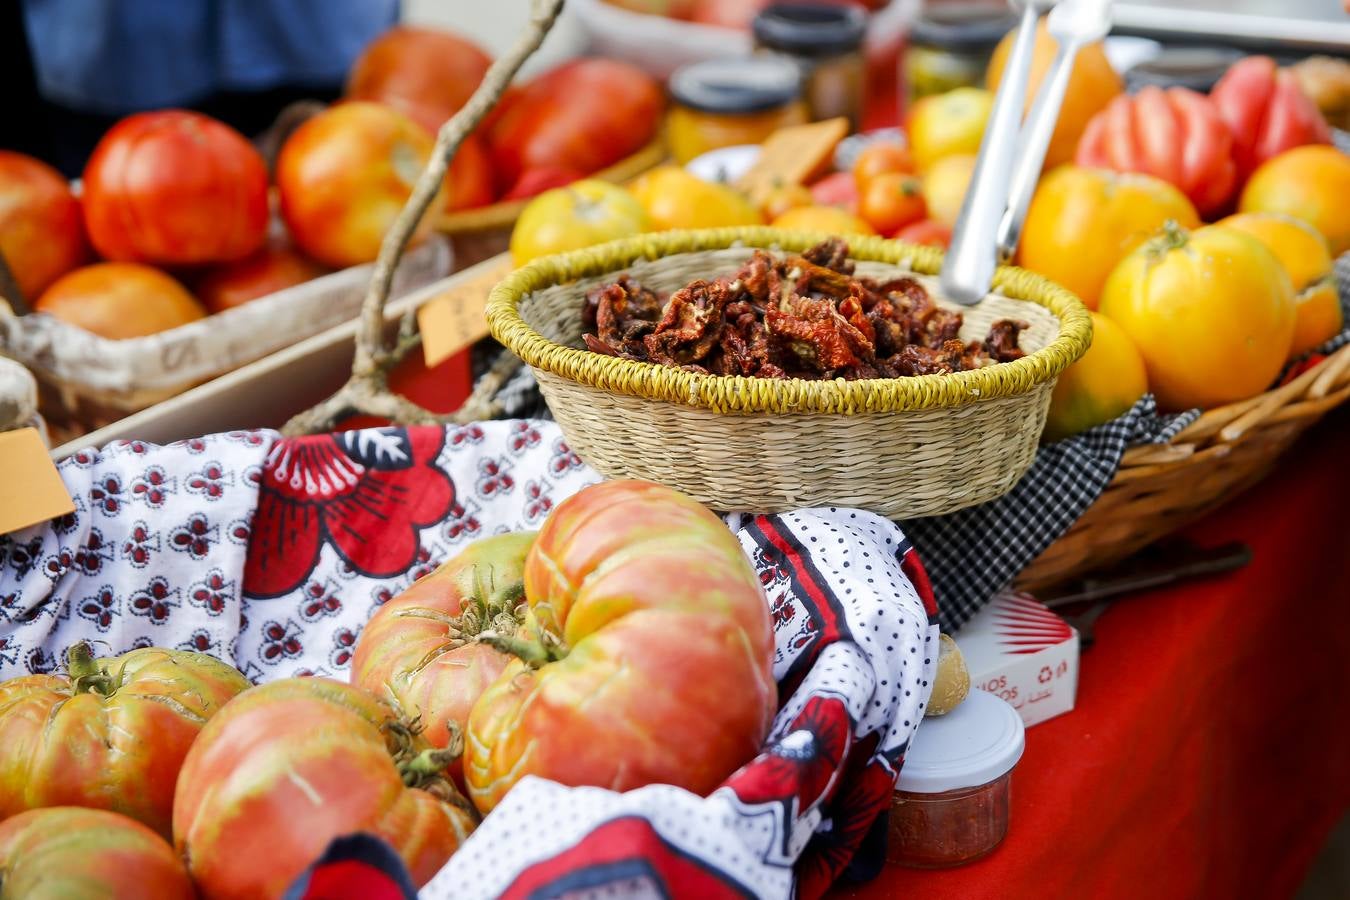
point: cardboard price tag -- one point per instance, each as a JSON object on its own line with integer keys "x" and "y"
{"x": 455, "y": 319}
{"x": 793, "y": 155}
{"x": 31, "y": 490}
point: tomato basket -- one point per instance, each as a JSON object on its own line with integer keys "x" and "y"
{"x": 900, "y": 447}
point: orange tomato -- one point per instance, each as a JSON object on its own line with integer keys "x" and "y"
{"x": 275, "y": 267}
{"x": 1104, "y": 383}
{"x": 1309, "y": 183}
{"x": 948, "y": 124}
{"x": 425, "y": 73}
{"x": 892, "y": 201}
{"x": 1092, "y": 84}
{"x": 1082, "y": 222}
{"x": 1304, "y": 254}
{"x": 120, "y": 300}
{"x": 41, "y": 226}
{"x": 880, "y": 158}
{"x": 929, "y": 232}
{"x": 826, "y": 219}
{"x": 944, "y": 187}
{"x": 1211, "y": 310}
{"x": 674, "y": 198}
{"x": 785, "y": 197}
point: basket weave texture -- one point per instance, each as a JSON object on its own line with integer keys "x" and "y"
{"x": 900, "y": 447}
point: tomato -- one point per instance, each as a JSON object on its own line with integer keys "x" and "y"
{"x": 111, "y": 736}
{"x": 1267, "y": 112}
{"x": 949, "y": 124}
{"x": 582, "y": 214}
{"x": 726, "y": 13}
{"x": 290, "y": 765}
{"x": 1175, "y": 134}
{"x": 1102, "y": 385}
{"x": 881, "y": 158}
{"x": 345, "y": 175}
{"x": 536, "y": 181}
{"x": 893, "y": 201}
{"x": 1211, "y": 311}
{"x": 838, "y": 189}
{"x": 41, "y": 227}
{"x": 1303, "y": 252}
{"x": 1093, "y": 83}
{"x": 944, "y": 187}
{"x": 470, "y": 182}
{"x": 69, "y": 853}
{"x": 826, "y": 219}
{"x": 1082, "y": 222}
{"x": 630, "y": 585}
{"x": 784, "y": 197}
{"x": 425, "y": 73}
{"x": 120, "y": 300}
{"x": 420, "y": 648}
{"x": 275, "y": 267}
{"x": 584, "y": 115}
{"x": 1308, "y": 183}
{"x": 929, "y": 232}
{"x": 175, "y": 188}
{"x": 675, "y": 198}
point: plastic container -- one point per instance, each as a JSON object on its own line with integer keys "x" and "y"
{"x": 826, "y": 44}
{"x": 725, "y": 103}
{"x": 950, "y": 46}
{"x": 952, "y": 802}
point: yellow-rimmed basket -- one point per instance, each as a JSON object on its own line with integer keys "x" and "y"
{"x": 900, "y": 447}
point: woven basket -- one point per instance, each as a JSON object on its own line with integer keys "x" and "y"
{"x": 901, "y": 447}
{"x": 1158, "y": 489}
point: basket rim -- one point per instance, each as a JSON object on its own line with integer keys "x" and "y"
{"x": 744, "y": 394}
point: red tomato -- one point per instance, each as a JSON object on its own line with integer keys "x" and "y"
{"x": 726, "y": 13}
{"x": 70, "y": 852}
{"x": 536, "y": 181}
{"x": 892, "y": 200}
{"x": 275, "y": 267}
{"x": 175, "y": 188}
{"x": 344, "y": 176}
{"x": 424, "y": 73}
{"x": 120, "y": 300}
{"x": 470, "y": 182}
{"x": 113, "y": 735}
{"x": 41, "y": 228}
{"x": 929, "y": 232}
{"x": 1267, "y": 112}
{"x": 584, "y": 115}
{"x": 292, "y": 764}
{"x": 629, "y": 585}
{"x": 1174, "y": 134}
{"x": 839, "y": 189}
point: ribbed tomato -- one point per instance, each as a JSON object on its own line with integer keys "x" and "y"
{"x": 420, "y": 648}
{"x": 651, "y": 659}
{"x": 69, "y": 853}
{"x": 175, "y": 188}
{"x": 1267, "y": 111}
{"x": 112, "y": 735}
{"x": 289, "y": 766}
{"x": 425, "y": 73}
{"x": 41, "y": 227}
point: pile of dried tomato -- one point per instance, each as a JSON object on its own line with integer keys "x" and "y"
{"x": 801, "y": 316}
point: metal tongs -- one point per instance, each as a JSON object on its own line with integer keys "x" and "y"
{"x": 1012, "y": 153}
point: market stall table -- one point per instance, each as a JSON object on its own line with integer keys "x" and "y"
{"x": 1207, "y": 754}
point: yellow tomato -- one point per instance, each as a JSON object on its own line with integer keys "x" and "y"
{"x": 944, "y": 187}
{"x": 580, "y": 215}
{"x": 830, "y": 219}
{"x": 784, "y": 197}
{"x": 948, "y": 124}
{"x": 1211, "y": 310}
{"x": 674, "y": 198}
{"x": 1102, "y": 385}
{"x": 1310, "y": 183}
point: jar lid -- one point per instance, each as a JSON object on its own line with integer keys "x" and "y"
{"x": 974, "y": 744}
{"x": 733, "y": 86}
{"x": 963, "y": 26}
{"x": 809, "y": 29}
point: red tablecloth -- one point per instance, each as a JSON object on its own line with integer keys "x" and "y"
{"x": 1209, "y": 754}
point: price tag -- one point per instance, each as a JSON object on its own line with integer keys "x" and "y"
{"x": 31, "y": 490}
{"x": 455, "y": 319}
{"x": 793, "y": 155}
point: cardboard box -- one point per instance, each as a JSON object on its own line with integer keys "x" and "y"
{"x": 1017, "y": 649}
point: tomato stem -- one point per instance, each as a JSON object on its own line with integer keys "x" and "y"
{"x": 533, "y": 653}
{"x": 85, "y": 674}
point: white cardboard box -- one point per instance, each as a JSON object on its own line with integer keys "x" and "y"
{"x": 1017, "y": 649}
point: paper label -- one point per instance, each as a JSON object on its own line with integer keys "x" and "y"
{"x": 31, "y": 490}
{"x": 456, "y": 318}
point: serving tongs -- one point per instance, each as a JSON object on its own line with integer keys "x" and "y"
{"x": 1012, "y": 152}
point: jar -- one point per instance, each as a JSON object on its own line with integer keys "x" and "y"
{"x": 826, "y": 43}
{"x": 950, "y": 46}
{"x": 952, "y": 801}
{"x": 723, "y": 103}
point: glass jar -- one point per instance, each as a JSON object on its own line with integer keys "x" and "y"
{"x": 725, "y": 103}
{"x": 950, "y": 46}
{"x": 952, "y": 802}
{"x": 826, "y": 43}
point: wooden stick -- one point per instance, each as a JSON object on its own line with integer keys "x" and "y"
{"x": 9, "y": 289}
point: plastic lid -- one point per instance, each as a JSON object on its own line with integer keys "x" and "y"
{"x": 963, "y": 26}
{"x": 974, "y": 744}
{"x": 737, "y": 85}
{"x": 807, "y": 29}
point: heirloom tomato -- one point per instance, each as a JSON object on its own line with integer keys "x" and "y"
{"x": 580, "y": 215}
{"x": 290, "y": 765}
{"x": 950, "y": 124}
{"x": 1104, "y": 383}
{"x": 275, "y": 267}
{"x": 112, "y": 735}
{"x": 1211, "y": 311}
{"x": 1267, "y": 111}
{"x": 945, "y": 185}
{"x": 175, "y": 188}
{"x": 676, "y": 198}
{"x": 70, "y": 853}
{"x": 836, "y": 189}
{"x": 344, "y": 177}
{"x": 1082, "y": 222}
{"x": 41, "y": 227}
{"x": 1175, "y": 134}
{"x": 650, "y": 658}
{"x": 120, "y": 300}
{"x": 1308, "y": 183}
{"x": 421, "y": 650}
{"x": 470, "y": 182}
{"x": 425, "y": 73}
{"x": 824, "y": 219}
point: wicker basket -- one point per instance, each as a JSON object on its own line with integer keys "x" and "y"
{"x": 1161, "y": 488}
{"x": 900, "y": 447}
